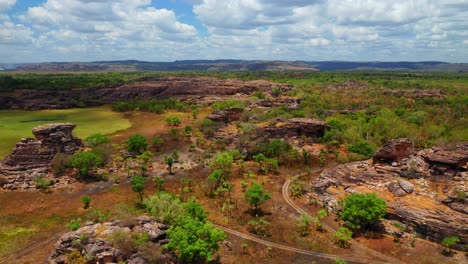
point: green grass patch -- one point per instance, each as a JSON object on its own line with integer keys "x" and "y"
{"x": 16, "y": 124}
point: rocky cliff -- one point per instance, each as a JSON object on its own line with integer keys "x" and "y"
{"x": 33, "y": 156}
{"x": 426, "y": 191}
{"x": 144, "y": 89}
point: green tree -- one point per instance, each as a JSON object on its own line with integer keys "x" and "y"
{"x": 195, "y": 210}
{"x": 137, "y": 143}
{"x": 188, "y": 131}
{"x": 322, "y": 213}
{"x": 362, "y": 211}
{"x": 255, "y": 196}
{"x": 158, "y": 183}
{"x": 170, "y": 162}
{"x": 84, "y": 162}
{"x": 165, "y": 207}
{"x": 277, "y": 147}
{"x": 138, "y": 185}
{"x": 194, "y": 240}
{"x": 86, "y": 200}
{"x": 303, "y": 224}
{"x": 96, "y": 139}
{"x": 223, "y": 161}
{"x": 448, "y": 242}
{"x": 157, "y": 143}
{"x": 343, "y": 235}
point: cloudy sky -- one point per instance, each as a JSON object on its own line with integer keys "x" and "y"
{"x": 167, "y": 30}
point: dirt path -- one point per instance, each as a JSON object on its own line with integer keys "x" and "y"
{"x": 285, "y": 191}
{"x": 295, "y": 250}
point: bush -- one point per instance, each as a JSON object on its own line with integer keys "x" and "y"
{"x": 104, "y": 152}
{"x": 362, "y": 211}
{"x": 74, "y": 224}
{"x": 42, "y": 183}
{"x": 3, "y": 180}
{"x": 363, "y": 148}
{"x": 343, "y": 235}
{"x": 448, "y": 242}
{"x": 60, "y": 162}
{"x": 231, "y": 103}
{"x": 137, "y": 144}
{"x": 95, "y": 140}
{"x": 84, "y": 162}
{"x": 86, "y": 200}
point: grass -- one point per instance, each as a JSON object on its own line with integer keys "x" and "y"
{"x": 16, "y": 124}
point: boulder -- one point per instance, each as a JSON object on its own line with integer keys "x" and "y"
{"x": 457, "y": 158}
{"x": 394, "y": 150}
{"x": 97, "y": 246}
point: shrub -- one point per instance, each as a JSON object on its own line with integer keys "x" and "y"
{"x": 96, "y": 139}
{"x": 60, "y": 162}
{"x": 157, "y": 143}
{"x": 448, "y": 242}
{"x": 259, "y": 226}
{"x": 74, "y": 224}
{"x": 42, "y": 183}
{"x": 255, "y": 196}
{"x": 361, "y": 211}
{"x": 86, "y": 200}
{"x": 164, "y": 207}
{"x": 84, "y": 162}
{"x": 231, "y": 103}
{"x": 343, "y": 235}
{"x": 137, "y": 143}
{"x": 3, "y": 180}
{"x": 363, "y": 148}
{"x": 104, "y": 152}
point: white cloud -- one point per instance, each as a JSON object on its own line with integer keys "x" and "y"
{"x": 5, "y": 5}
{"x": 244, "y": 29}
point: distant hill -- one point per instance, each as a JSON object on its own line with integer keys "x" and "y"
{"x": 238, "y": 65}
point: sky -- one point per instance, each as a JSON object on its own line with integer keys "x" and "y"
{"x": 168, "y": 30}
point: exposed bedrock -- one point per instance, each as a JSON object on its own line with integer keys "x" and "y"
{"x": 33, "y": 156}
{"x": 426, "y": 190}
{"x": 143, "y": 88}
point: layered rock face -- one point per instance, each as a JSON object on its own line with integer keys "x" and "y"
{"x": 297, "y": 127}
{"x": 96, "y": 243}
{"x": 427, "y": 191}
{"x": 226, "y": 115}
{"x": 32, "y": 157}
{"x": 200, "y": 88}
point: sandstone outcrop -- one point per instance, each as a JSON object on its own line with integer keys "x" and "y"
{"x": 95, "y": 242}
{"x": 394, "y": 150}
{"x": 226, "y": 115}
{"x": 33, "y": 157}
{"x": 143, "y": 89}
{"x": 297, "y": 127}
{"x": 427, "y": 199}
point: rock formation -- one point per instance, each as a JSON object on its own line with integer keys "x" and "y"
{"x": 394, "y": 150}
{"x": 427, "y": 191}
{"x": 201, "y": 88}
{"x": 297, "y": 127}
{"x": 95, "y": 243}
{"x": 33, "y": 157}
{"x": 226, "y": 115}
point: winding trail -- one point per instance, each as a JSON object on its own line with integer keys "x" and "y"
{"x": 287, "y": 198}
{"x": 293, "y": 249}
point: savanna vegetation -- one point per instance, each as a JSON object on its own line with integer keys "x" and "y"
{"x": 171, "y": 166}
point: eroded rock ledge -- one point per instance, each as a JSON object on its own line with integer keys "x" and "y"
{"x": 113, "y": 242}
{"x": 426, "y": 190}
{"x": 33, "y": 156}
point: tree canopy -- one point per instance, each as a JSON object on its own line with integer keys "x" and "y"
{"x": 84, "y": 162}
{"x": 137, "y": 143}
{"x": 255, "y": 196}
{"x": 361, "y": 211}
